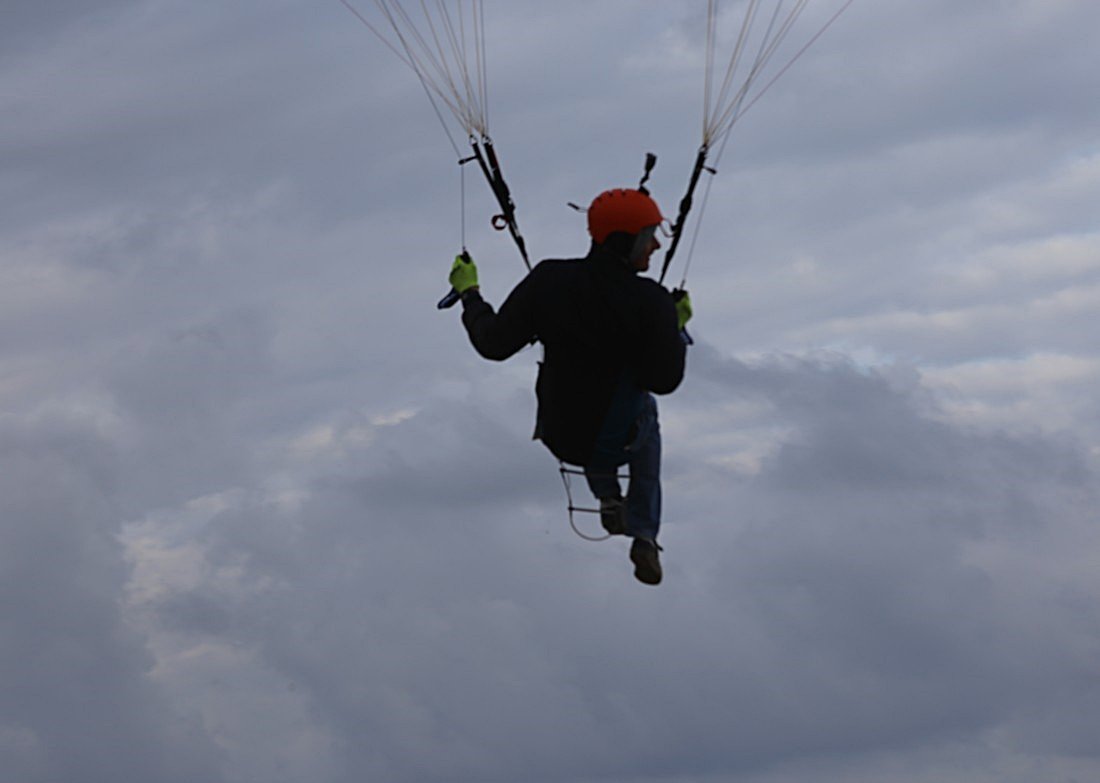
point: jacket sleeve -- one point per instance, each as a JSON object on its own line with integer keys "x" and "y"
{"x": 498, "y": 335}
{"x": 663, "y": 353}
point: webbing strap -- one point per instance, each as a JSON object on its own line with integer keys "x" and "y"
{"x": 685, "y": 208}
{"x": 486, "y": 158}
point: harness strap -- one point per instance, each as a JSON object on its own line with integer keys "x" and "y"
{"x": 685, "y": 208}
{"x": 573, "y": 509}
{"x": 486, "y": 158}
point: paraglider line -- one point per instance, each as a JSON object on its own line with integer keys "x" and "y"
{"x": 792, "y": 61}
{"x": 718, "y": 128}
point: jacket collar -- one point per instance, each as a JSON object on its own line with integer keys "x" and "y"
{"x": 609, "y": 259}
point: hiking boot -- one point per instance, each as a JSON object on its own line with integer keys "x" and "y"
{"x": 613, "y": 516}
{"x": 647, "y": 565}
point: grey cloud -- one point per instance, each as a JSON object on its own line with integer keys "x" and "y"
{"x": 226, "y": 228}
{"x": 829, "y": 606}
{"x": 184, "y": 398}
{"x": 962, "y": 75}
{"x": 28, "y": 23}
{"x": 77, "y": 702}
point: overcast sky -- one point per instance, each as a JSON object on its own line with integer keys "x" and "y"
{"x": 266, "y": 516}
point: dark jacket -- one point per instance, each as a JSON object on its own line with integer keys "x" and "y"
{"x": 597, "y": 320}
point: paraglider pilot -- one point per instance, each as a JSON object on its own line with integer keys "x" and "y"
{"x": 612, "y": 340}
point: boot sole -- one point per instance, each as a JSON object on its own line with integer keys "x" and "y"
{"x": 645, "y": 571}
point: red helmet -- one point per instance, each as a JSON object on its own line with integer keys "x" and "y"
{"x": 628, "y": 211}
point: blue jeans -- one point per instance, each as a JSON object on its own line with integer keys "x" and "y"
{"x": 630, "y": 436}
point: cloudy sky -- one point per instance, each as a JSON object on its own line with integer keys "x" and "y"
{"x": 264, "y": 515}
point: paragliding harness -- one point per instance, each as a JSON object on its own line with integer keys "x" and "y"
{"x": 466, "y": 98}
{"x": 567, "y": 471}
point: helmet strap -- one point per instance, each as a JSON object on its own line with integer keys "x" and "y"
{"x": 641, "y": 243}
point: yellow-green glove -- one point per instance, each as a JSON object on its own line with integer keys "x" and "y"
{"x": 683, "y": 307}
{"x": 463, "y": 273}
